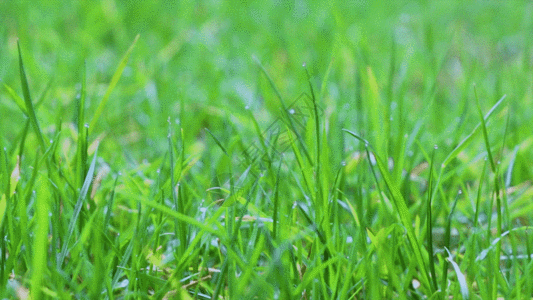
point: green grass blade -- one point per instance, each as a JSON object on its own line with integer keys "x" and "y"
{"x": 497, "y": 190}
{"x": 177, "y": 198}
{"x": 485, "y": 134}
{"x": 460, "y": 276}
{"x": 18, "y": 101}
{"x": 286, "y": 116}
{"x": 327, "y": 75}
{"x": 112, "y": 84}
{"x": 276, "y": 205}
{"x": 27, "y": 100}
{"x": 317, "y": 123}
{"x": 403, "y": 211}
{"x": 218, "y": 142}
{"x": 376, "y": 112}
{"x": 110, "y": 204}
{"x": 122, "y": 265}
{"x": 81, "y": 150}
{"x": 462, "y": 145}
{"x": 429, "y": 224}
{"x": 447, "y": 235}
{"x": 478, "y": 197}
{"x": 10, "y": 183}
{"x": 187, "y": 219}
{"x": 77, "y": 209}
{"x": 40, "y": 242}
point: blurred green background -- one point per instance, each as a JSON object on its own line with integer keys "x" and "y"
{"x": 194, "y": 64}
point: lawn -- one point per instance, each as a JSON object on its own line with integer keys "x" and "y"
{"x": 266, "y": 150}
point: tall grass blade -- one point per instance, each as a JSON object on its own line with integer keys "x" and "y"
{"x": 460, "y": 276}
{"x": 112, "y": 84}
{"x": 81, "y": 150}
{"x": 20, "y": 102}
{"x": 27, "y": 100}
{"x": 10, "y": 183}
{"x": 123, "y": 264}
{"x": 40, "y": 242}
{"x": 110, "y": 204}
{"x": 218, "y": 142}
{"x": 276, "y": 205}
{"x": 286, "y": 115}
{"x": 478, "y": 197}
{"x": 403, "y": 211}
{"x": 485, "y": 134}
{"x": 447, "y": 235}
{"x": 470, "y": 137}
{"x": 16, "y": 98}
{"x": 495, "y": 169}
{"x": 429, "y": 225}
{"x": 77, "y": 209}
{"x": 376, "y": 111}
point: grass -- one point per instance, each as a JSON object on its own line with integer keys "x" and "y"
{"x": 152, "y": 151}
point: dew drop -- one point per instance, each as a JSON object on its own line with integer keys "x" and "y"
{"x": 303, "y": 65}
{"x": 343, "y": 163}
{"x": 86, "y": 125}
{"x": 247, "y": 107}
{"x": 291, "y": 111}
{"x": 436, "y": 147}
